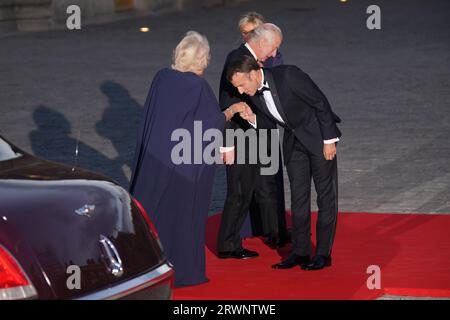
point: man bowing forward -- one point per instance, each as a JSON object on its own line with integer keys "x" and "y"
{"x": 288, "y": 96}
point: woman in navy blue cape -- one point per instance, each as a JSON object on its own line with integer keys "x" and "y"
{"x": 176, "y": 197}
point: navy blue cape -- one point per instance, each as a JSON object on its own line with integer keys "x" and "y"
{"x": 176, "y": 197}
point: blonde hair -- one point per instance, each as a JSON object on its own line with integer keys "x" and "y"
{"x": 192, "y": 53}
{"x": 251, "y": 17}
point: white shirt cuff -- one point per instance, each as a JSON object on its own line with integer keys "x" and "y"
{"x": 252, "y": 124}
{"x": 330, "y": 141}
{"x": 226, "y": 149}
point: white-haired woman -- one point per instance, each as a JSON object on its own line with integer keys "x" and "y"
{"x": 180, "y": 107}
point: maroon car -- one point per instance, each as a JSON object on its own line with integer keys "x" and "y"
{"x": 67, "y": 233}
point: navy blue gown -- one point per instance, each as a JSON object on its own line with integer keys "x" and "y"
{"x": 176, "y": 197}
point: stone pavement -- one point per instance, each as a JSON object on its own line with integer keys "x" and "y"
{"x": 391, "y": 88}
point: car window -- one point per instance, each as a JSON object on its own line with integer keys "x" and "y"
{"x": 7, "y": 152}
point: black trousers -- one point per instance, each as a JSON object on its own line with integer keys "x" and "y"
{"x": 244, "y": 184}
{"x": 241, "y": 179}
{"x": 267, "y": 208}
{"x": 302, "y": 166}
{"x": 264, "y": 206}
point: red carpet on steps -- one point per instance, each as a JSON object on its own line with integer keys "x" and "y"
{"x": 412, "y": 250}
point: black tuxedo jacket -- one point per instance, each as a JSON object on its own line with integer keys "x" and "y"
{"x": 304, "y": 108}
{"x": 229, "y": 95}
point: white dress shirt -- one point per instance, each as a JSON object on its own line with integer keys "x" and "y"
{"x": 268, "y": 98}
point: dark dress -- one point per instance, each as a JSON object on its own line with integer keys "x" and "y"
{"x": 176, "y": 197}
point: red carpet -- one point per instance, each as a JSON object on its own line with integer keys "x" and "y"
{"x": 413, "y": 252}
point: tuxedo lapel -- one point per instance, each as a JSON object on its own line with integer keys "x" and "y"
{"x": 273, "y": 90}
{"x": 260, "y": 102}
{"x": 245, "y": 51}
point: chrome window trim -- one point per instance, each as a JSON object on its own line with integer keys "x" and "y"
{"x": 133, "y": 285}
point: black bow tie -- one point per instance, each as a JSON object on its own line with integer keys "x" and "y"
{"x": 264, "y": 88}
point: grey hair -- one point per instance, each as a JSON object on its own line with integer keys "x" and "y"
{"x": 192, "y": 53}
{"x": 266, "y": 31}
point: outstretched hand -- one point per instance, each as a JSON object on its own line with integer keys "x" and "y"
{"x": 239, "y": 107}
{"x": 233, "y": 109}
{"x": 247, "y": 114}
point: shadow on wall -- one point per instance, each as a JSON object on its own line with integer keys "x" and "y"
{"x": 119, "y": 123}
{"x": 52, "y": 140}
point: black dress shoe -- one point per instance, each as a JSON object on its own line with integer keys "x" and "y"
{"x": 238, "y": 254}
{"x": 317, "y": 263}
{"x": 292, "y": 261}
